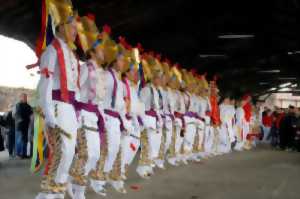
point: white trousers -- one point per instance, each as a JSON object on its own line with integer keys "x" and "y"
{"x": 129, "y": 146}
{"x": 113, "y": 135}
{"x": 93, "y": 141}
{"x": 154, "y": 142}
{"x": 169, "y": 132}
{"x": 189, "y": 137}
{"x": 66, "y": 119}
{"x": 179, "y": 141}
{"x": 224, "y": 144}
{"x": 208, "y": 139}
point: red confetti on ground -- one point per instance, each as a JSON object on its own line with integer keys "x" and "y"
{"x": 135, "y": 187}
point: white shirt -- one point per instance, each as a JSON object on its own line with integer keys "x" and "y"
{"x": 108, "y": 83}
{"x": 180, "y": 105}
{"x": 49, "y": 62}
{"x": 136, "y": 105}
{"x": 150, "y": 101}
{"x": 240, "y": 116}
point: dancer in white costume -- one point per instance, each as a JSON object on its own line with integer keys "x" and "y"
{"x": 114, "y": 112}
{"x": 224, "y": 145}
{"x": 206, "y": 113}
{"x": 192, "y": 119}
{"x": 168, "y": 136}
{"x": 201, "y": 108}
{"x": 189, "y": 117}
{"x": 215, "y": 116}
{"x": 58, "y": 88}
{"x": 240, "y": 124}
{"x": 176, "y": 108}
{"x": 247, "y": 116}
{"x": 154, "y": 92}
{"x": 205, "y": 109}
{"x": 151, "y": 120}
{"x": 135, "y": 109}
{"x": 232, "y": 127}
{"x": 91, "y": 119}
{"x": 180, "y": 124}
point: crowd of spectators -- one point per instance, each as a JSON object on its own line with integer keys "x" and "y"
{"x": 15, "y": 129}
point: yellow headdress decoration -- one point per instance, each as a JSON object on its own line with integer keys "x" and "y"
{"x": 185, "y": 78}
{"x": 89, "y": 34}
{"x": 110, "y": 46}
{"x": 175, "y": 73}
{"x": 135, "y": 59}
{"x": 166, "y": 68}
{"x": 155, "y": 65}
{"x": 125, "y": 50}
{"x": 60, "y": 11}
{"x": 146, "y": 70}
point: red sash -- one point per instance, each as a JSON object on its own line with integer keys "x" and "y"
{"x": 62, "y": 69}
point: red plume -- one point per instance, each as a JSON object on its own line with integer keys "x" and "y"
{"x": 246, "y": 96}
{"x": 124, "y": 43}
{"x": 91, "y": 16}
{"x": 167, "y": 61}
{"x": 158, "y": 56}
{"x": 122, "y": 40}
{"x": 215, "y": 78}
{"x": 199, "y": 77}
{"x": 193, "y": 71}
{"x": 151, "y": 53}
{"x": 177, "y": 66}
{"x": 144, "y": 54}
{"x": 140, "y": 47}
{"x": 128, "y": 47}
{"x": 107, "y": 29}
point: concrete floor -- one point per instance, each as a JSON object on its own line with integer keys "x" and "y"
{"x": 257, "y": 174}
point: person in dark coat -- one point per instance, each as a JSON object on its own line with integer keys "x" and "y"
{"x": 287, "y": 130}
{"x": 297, "y": 138}
{"x": 22, "y": 116}
{"x": 2, "y": 123}
{"x": 10, "y": 125}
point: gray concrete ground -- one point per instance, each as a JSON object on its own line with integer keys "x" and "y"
{"x": 257, "y": 174}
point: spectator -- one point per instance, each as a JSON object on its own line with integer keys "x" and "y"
{"x": 267, "y": 121}
{"x": 297, "y": 138}
{"x": 22, "y": 117}
{"x": 10, "y": 125}
{"x": 277, "y": 118}
{"x": 1, "y": 137}
{"x": 287, "y": 130}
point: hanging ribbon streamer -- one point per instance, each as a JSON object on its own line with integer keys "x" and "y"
{"x": 141, "y": 78}
{"x": 38, "y": 144}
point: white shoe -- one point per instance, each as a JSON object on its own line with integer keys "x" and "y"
{"x": 50, "y": 196}
{"x": 160, "y": 164}
{"x": 98, "y": 187}
{"x": 70, "y": 190}
{"x": 184, "y": 161}
{"x": 118, "y": 186}
{"x": 172, "y": 161}
{"x": 197, "y": 159}
{"x": 142, "y": 172}
{"x": 123, "y": 176}
{"x": 79, "y": 191}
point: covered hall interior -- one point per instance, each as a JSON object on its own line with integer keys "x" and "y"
{"x": 251, "y": 46}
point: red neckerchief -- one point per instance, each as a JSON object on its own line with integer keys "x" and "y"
{"x": 62, "y": 69}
